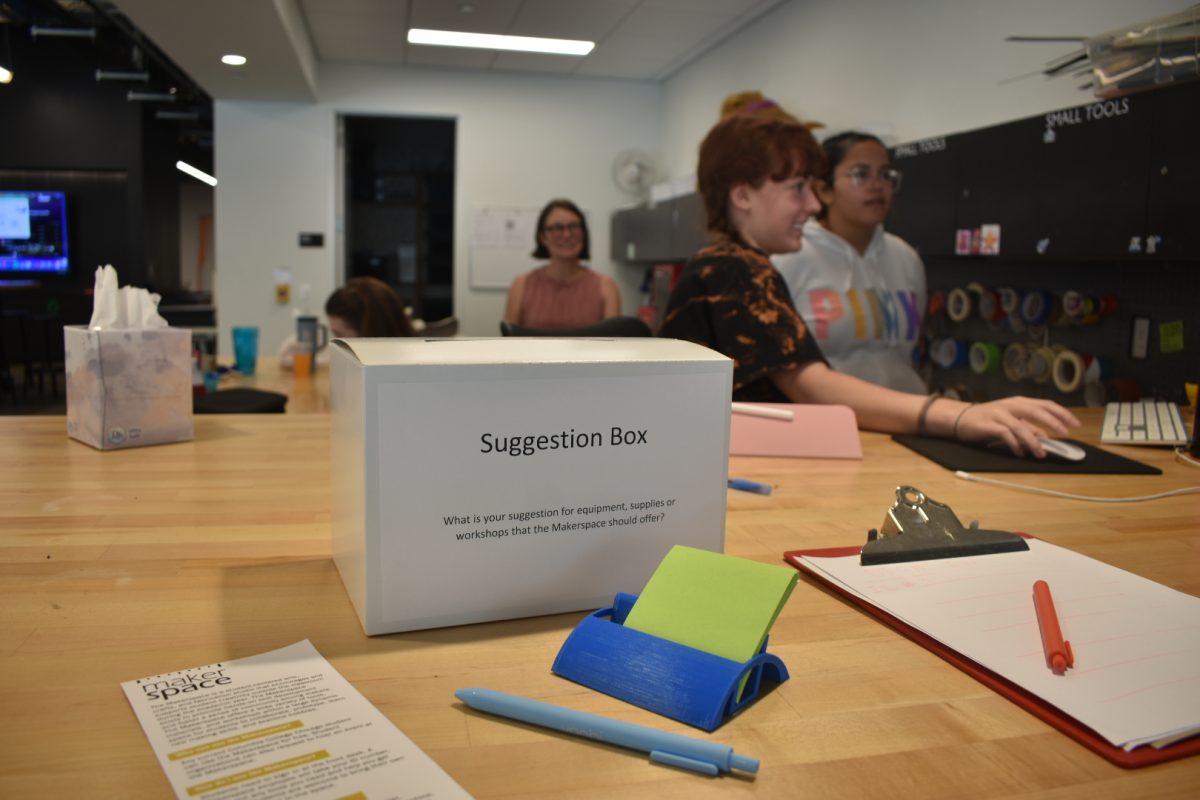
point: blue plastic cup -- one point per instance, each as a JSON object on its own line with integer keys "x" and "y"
{"x": 245, "y": 349}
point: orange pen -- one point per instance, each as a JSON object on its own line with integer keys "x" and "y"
{"x": 1058, "y": 650}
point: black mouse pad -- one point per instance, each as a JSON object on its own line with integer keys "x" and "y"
{"x": 956, "y": 455}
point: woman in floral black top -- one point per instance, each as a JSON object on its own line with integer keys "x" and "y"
{"x": 754, "y": 178}
{"x": 733, "y": 300}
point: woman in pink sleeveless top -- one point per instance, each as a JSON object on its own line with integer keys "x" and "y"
{"x": 563, "y": 293}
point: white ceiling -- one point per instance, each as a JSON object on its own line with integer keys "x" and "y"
{"x": 287, "y": 41}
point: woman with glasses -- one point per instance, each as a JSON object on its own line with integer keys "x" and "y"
{"x": 861, "y": 289}
{"x": 755, "y": 178}
{"x": 563, "y": 293}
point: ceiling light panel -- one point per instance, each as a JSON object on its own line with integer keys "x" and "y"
{"x": 493, "y": 41}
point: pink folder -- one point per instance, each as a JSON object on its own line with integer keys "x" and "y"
{"x": 817, "y": 431}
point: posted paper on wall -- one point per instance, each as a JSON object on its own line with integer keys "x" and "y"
{"x": 278, "y": 725}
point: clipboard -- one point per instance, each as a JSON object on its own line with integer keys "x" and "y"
{"x": 1051, "y": 715}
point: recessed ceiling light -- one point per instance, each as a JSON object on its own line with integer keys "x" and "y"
{"x": 6, "y": 75}
{"x": 233, "y": 60}
{"x": 491, "y": 41}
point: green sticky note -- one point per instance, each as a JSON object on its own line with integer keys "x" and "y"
{"x": 1170, "y": 336}
{"x": 712, "y": 602}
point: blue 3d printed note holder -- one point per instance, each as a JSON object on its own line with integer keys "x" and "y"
{"x": 665, "y": 677}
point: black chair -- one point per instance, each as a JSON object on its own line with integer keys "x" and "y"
{"x": 613, "y": 326}
{"x": 47, "y": 360}
{"x": 440, "y": 328}
{"x": 13, "y": 330}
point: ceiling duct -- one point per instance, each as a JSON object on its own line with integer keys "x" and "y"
{"x": 122, "y": 75}
{"x": 1139, "y": 57}
{"x": 63, "y": 33}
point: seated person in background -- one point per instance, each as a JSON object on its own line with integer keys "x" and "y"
{"x": 861, "y": 288}
{"x": 754, "y": 177}
{"x": 563, "y": 293}
{"x": 365, "y": 307}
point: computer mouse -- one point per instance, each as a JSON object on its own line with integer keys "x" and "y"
{"x": 1055, "y": 448}
{"x": 1064, "y": 450}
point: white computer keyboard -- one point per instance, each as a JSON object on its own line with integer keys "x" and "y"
{"x": 1143, "y": 422}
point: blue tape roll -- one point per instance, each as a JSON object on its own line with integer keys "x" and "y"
{"x": 1036, "y": 307}
{"x": 950, "y": 353}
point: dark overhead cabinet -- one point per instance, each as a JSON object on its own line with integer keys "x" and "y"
{"x": 1091, "y": 180}
{"x": 1112, "y": 179}
{"x": 1001, "y": 183}
{"x": 925, "y": 208}
{"x": 1173, "y": 205}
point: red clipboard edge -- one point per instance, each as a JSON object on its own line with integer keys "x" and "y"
{"x": 1142, "y": 756}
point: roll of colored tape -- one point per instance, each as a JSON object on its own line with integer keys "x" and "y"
{"x": 937, "y": 303}
{"x": 1068, "y": 371}
{"x": 1073, "y": 303}
{"x": 949, "y": 353}
{"x": 984, "y": 357}
{"x": 941, "y": 352}
{"x": 990, "y": 309}
{"x": 958, "y": 304}
{"x": 1079, "y": 308}
{"x": 1016, "y": 361}
{"x": 1036, "y": 306}
{"x": 1010, "y": 299}
{"x": 1107, "y": 303}
{"x": 1041, "y": 364}
{"x": 1098, "y": 368}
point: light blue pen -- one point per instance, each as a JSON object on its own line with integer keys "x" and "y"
{"x": 744, "y": 485}
{"x": 665, "y": 748}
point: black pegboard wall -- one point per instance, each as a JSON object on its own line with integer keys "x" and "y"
{"x": 1163, "y": 292}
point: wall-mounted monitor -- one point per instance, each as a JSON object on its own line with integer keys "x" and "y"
{"x": 33, "y": 232}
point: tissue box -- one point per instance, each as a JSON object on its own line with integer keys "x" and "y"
{"x": 486, "y": 479}
{"x": 128, "y": 388}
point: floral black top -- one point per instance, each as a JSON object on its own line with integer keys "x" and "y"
{"x": 732, "y": 299}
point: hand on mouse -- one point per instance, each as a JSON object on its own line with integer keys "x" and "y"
{"x": 1019, "y": 422}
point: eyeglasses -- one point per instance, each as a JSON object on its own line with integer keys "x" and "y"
{"x": 563, "y": 227}
{"x": 861, "y": 175}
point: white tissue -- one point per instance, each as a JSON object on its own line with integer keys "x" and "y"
{"x": 126, "y": 307}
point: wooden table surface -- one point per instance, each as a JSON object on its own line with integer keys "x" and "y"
{"x": 128, "y": 563}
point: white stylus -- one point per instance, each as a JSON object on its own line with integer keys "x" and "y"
{"x": 761, "y": 411}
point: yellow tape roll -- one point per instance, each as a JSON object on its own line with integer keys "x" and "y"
{"x": 1016, "y": 361}
{"x": 1041, "y": 364}
{"x": 1068, "y": 371}
{"x": 958, "y": 304}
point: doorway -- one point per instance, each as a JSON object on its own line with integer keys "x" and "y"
{"x": 399, "y": 207}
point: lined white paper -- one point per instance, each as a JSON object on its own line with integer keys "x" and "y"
{"x": 1136, "y": 678}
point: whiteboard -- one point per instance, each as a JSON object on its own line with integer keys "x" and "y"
{"x": 502, "y": 240}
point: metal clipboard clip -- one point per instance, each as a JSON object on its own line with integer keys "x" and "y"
{"x": 920, "y": 529}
